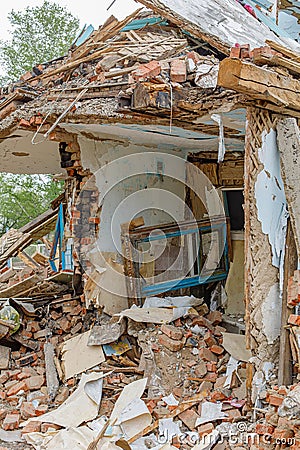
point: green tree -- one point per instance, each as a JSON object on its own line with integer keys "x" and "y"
{"x": 39, "y": 34}
{"x": 24, "y": 197}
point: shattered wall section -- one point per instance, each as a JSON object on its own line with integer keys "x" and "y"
{"x": 263, "y": 303}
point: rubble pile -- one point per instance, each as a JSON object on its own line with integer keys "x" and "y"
{"x": 278, "y": 425}
{"x": 175, "y": 353}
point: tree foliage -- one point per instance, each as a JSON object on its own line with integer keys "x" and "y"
{"x": 24, "y": 197}
{"x": 39, "y": 34}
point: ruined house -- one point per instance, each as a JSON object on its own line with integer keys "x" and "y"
{"x": 176, "y": 131}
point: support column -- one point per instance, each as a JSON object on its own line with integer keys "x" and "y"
{"x": 262, "y": 296}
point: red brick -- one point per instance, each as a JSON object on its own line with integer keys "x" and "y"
{"x": 207, "y": 355}
{"x": 27, "y": 410}
{"x": 202, "y": 322}
{"x": 172, "y": 332}
{"x": 218, "y": 396}
{"x": 41, "y": 334}
{"x": 144, "y": 71}
{"x": 263, "y": 429}
{"x": 205, "y": 429}
{"x": 26, "y": 334}
{"x": 217, "y": 349}
{"x": 215, "y": 317}
{"x": 28, "y": 359}
{"x": 233, "y": 414}
{"x": 211, "y": 366}
{"x": 22, "y": 376}
{"x": 189, "y": 418}
{"x": 45, "y": 427}
{"x": 235, "y": 52}
{"x": 33, "y": 326}
{"x": 294, "y": 320}
{"x": 13, "y": 374}
{"x": 34, "y": 383}
{"x": 65, "y": 324}
{"x": 209, "y": 339}
{"x": 26, "y": 76}
{"x": 282, "y": 390}
{"x": 19, "y": 386}
{"x": 11, "y": 422}
{"x": 274, "y": 399}
{"x": 171, "y": 344}
{"x": 211, "y": 377}
{"x": 283, "y": 422}
{"x": 282, "y": 435}
{"x": 34, "y": 426}
{"x": 24, "y": 123}
{"x": 200, "y": 370}
{"x": 4, "y": 377}
{"x": 3, "y": 413}
{"x": 219, "y": 330}
{"x": 41, "y": 409}
{"x": 178, "y": 71}
{"x": 194, "y": 56}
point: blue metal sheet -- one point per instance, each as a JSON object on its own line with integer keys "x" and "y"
{"x": 83, "y": 35}
{"x": 141, "y": 23}
{"x": 179, "y": 284}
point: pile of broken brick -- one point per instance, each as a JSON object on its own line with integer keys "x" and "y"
{"x": 272, "y": 56}
{"x": 151, "y": 377}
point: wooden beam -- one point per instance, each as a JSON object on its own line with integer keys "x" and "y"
{"x": 285, "y": 355}
{"x": 284, "y": 50}
{"x": 288, "y": 140}
{"x": 260, "y": 83}
{"x": 277, "y": 61}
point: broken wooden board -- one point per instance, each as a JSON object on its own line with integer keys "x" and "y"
{"x": 21, "y": 287}
{"x": 260, "y": 83}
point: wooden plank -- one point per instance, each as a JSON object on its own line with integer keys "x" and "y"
{"x": 278, "y": 61}
{"x": 284, "y": 50}
{"x": 28, "y": 260}
{"x": 285, "y": 356}
{"x": 259, "y": 83}
{"x": 38, "y": 220}
{"x": 18, "y": 288}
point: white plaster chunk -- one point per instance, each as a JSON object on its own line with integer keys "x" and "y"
{"x": 271, "y": 314}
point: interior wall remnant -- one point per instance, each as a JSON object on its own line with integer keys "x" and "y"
{"x": 270, "y": 197}
{"x": 235, "y": 281}
{"x": 133, "y": 180}
{"x": 288, "y": 139}
{"x": 261, "y": 275}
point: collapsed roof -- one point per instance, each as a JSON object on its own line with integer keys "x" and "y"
{"x": 153, "y": 69}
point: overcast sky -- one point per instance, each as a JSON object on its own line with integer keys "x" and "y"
{"x": 88, "y": 11}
